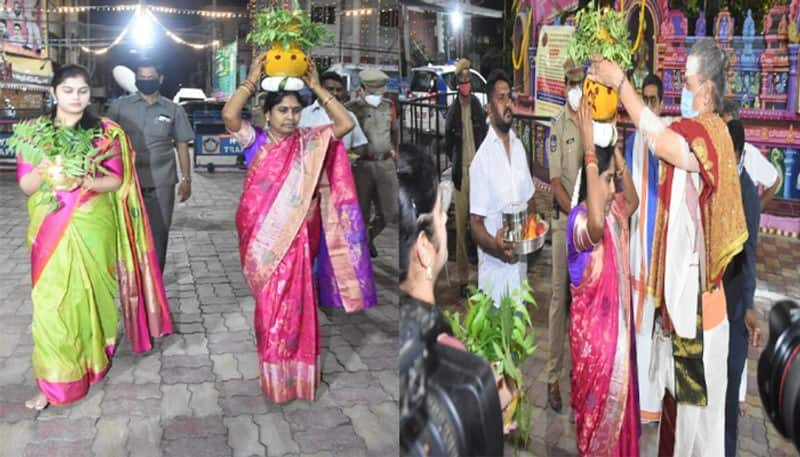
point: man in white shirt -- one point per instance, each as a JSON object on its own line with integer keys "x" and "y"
{"x": 761, "y": 171}
{"x": 314, "y": 114}
{"x": 499, "y": 176}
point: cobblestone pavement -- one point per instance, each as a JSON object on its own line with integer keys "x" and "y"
{"x": 553, "y": 434}
{"x": 197, "y": 394}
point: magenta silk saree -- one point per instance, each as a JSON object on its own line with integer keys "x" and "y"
{"x": 294, "y": 190}
{"x": 603, "y": 382}
{"x": 81, "y": 253}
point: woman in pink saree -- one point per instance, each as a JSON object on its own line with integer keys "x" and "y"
{"x": 96, "y": 240}
{"x": 603, "y": 383}
{"x": 298, "y": 201}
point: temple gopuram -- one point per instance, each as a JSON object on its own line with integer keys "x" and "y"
{"x": 763, "y": 79}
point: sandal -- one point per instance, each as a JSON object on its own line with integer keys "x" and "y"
{"x": 39, "y": 402}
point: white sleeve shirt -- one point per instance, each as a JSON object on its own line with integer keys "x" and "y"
{"x": 758, "y": 167}
{"x": 496, "y": 182}
{"x": 315, "y": 115}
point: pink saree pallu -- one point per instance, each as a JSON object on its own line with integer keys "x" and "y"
{"x": 294, "y": 191}
{"x": 604, "y": 395}
{"x": 80, "y": 254}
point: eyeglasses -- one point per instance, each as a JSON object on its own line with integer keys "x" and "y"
{"x": 460, "y": 81}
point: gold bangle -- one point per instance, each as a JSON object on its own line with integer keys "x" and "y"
{"x": 250, "y": 85}
{"x": 592, "y": 164}
{"x": 328, "y": 100}
{"x": 249, "y": 91}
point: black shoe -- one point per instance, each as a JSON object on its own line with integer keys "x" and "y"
{"x": 373, "y": 251}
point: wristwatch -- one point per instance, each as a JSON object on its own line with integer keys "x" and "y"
{"x": 186, "y": 178}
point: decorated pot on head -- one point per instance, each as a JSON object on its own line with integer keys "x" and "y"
{"x": 601, "y": 31}
{"x": 289, "y": 61}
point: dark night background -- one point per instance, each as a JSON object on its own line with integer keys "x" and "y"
{"x": 182, "y": 65}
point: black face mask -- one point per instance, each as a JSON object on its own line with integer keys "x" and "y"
{"x": 148, "y": 86}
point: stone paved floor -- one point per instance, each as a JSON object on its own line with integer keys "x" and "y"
{"x": 778, "y": 272}
{"x": 197, "y": 394}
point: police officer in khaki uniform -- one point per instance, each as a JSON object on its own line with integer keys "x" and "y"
{"x": 375, "y": 172}
{"x": 565, "y": 158}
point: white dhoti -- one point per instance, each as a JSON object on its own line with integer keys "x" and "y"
{"x": 699, "y": 430}
{"x": 649, "y": 397}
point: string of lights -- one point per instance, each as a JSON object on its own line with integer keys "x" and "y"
{"x": 158, "y": 9}
{"x": 142, "y": 15}
{"x": 180, "y": 40}
{"x": 103, "y": 50}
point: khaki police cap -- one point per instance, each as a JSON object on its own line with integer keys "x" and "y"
{"x": 461, "y": 65}
{"x": 572, "y": 71}
{"x": 373, "y": 79}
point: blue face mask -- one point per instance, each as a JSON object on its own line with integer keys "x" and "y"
{"x": 687, "y": 98}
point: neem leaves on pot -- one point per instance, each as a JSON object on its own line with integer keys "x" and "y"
{"x": 288, "y": 34}
{"x": 601, "y": 31}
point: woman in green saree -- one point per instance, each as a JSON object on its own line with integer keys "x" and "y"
{"x": 96, "y": 239}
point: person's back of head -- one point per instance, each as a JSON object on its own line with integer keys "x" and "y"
{"x": 417, "y": 192}
{"x": 730, "y": 110}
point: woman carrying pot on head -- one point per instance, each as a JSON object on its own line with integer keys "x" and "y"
{"x": 95, "y": 240}
{"x": 700, "y": 227}
{"x": 298, "y": 201}
{"x": 604, "y": 395}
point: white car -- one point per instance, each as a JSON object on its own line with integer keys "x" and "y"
{"x": 436, "y": 84}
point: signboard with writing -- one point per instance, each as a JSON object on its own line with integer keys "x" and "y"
{"x": 550, "y": 56}
{"x": 23, "y": 29}
{"x": 216, "y": 144}
{"x": 224, "y": 71}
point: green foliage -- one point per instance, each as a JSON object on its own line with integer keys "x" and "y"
{"x": 504, "y": 336}
{"x": 73, "y": 148}
{"x": 286, "y": 28}
{"x": 600, "y": 31}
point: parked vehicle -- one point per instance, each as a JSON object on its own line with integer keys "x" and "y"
{"x": 436, "y": 84}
